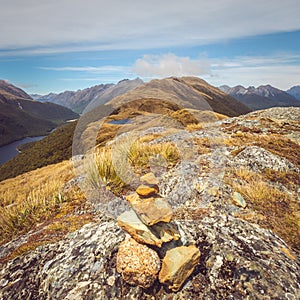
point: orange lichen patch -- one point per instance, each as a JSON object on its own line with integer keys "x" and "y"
{"x": 287, "y": 252}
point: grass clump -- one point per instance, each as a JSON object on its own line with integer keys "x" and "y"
{"x": 112, "y": 163}
{"x": 280, "y": 210}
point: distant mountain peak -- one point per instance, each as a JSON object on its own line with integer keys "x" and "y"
{"x": 80, "y": 99}
{"x": 262, "y": 97}
{"x": 294, "y": 91}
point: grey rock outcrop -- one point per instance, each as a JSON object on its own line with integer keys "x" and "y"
{"x": 258, "y": 159}
{"x": 241, "y": 258}
{"x": 238, "y": 260}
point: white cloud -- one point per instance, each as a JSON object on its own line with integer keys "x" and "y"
{"x": 35, "y": 26}
{"x": 169, "y": 65}
{"x": 26, "y": 85}
{"x": 280, "y": 70}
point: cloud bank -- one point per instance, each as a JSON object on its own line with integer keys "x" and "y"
{"x": 280, "y": 70}
{"x": 169, "y": 65}
{"x": 34, "y": 26}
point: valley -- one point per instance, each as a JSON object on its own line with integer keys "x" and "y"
{"x": 9, "y": 151}
{"x": 21, "y": 116}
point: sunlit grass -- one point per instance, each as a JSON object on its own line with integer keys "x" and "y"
{"x": 32, "y": 198}
{"x": 113, "y": 162}
{"x": 280, "y": 209}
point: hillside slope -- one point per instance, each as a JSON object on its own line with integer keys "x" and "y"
{"x": 188, "y": 92}
{"x": 54, "y": 148}
{"x": 20, "y": 116}
{"x": 234, "y": 192}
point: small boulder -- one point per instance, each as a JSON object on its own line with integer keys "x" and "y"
{"x": 138, "y": 264}
{"x": 238, "y": 200}
{"x": 149, "y": 178}
{"x": 153, "y": 210}
{"x": 147, "y": 190}
{"x": 178, "y": 265}
{"x": 155, "y": 235}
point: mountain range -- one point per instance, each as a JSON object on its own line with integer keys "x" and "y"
{"x": 187, "y": 92}
{"x": 262, "y": 97}
{"x": 79, "y": 100}
{"x": 21, "y": 116}
{"x": 156, "y": 103}
{"x": 75, "y": 100}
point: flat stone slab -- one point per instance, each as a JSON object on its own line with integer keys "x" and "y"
{"x": 239, "y": 200}
{"x": 155, "y": 235}
{"x": 178, "y": 265}
{"x": 151, "y": 210}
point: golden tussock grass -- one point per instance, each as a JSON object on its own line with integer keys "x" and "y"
{"x": 31, "y": 198}
{"x": 280, "y": 209}
{"x": 113, "y": 162}
{"x": 194, "y": 127}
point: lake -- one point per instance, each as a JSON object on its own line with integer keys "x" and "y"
{"x": 9, "y": 151}
{"x": 119, "y": 122}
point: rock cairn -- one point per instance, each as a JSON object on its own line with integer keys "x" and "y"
{"x": 149, "y": 225}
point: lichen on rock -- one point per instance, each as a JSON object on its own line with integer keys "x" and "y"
{"x": 138, "y": 264}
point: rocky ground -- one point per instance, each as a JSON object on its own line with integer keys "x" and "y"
{"x": 235, "y": 196}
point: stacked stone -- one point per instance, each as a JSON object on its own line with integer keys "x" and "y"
{"x": 148, "y": 223}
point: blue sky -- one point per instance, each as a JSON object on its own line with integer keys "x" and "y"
{"x": 52, "y": 46}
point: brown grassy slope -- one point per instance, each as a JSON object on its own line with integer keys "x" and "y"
{"x": 187, "y": 92}
{"x": 219, "y": 102}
